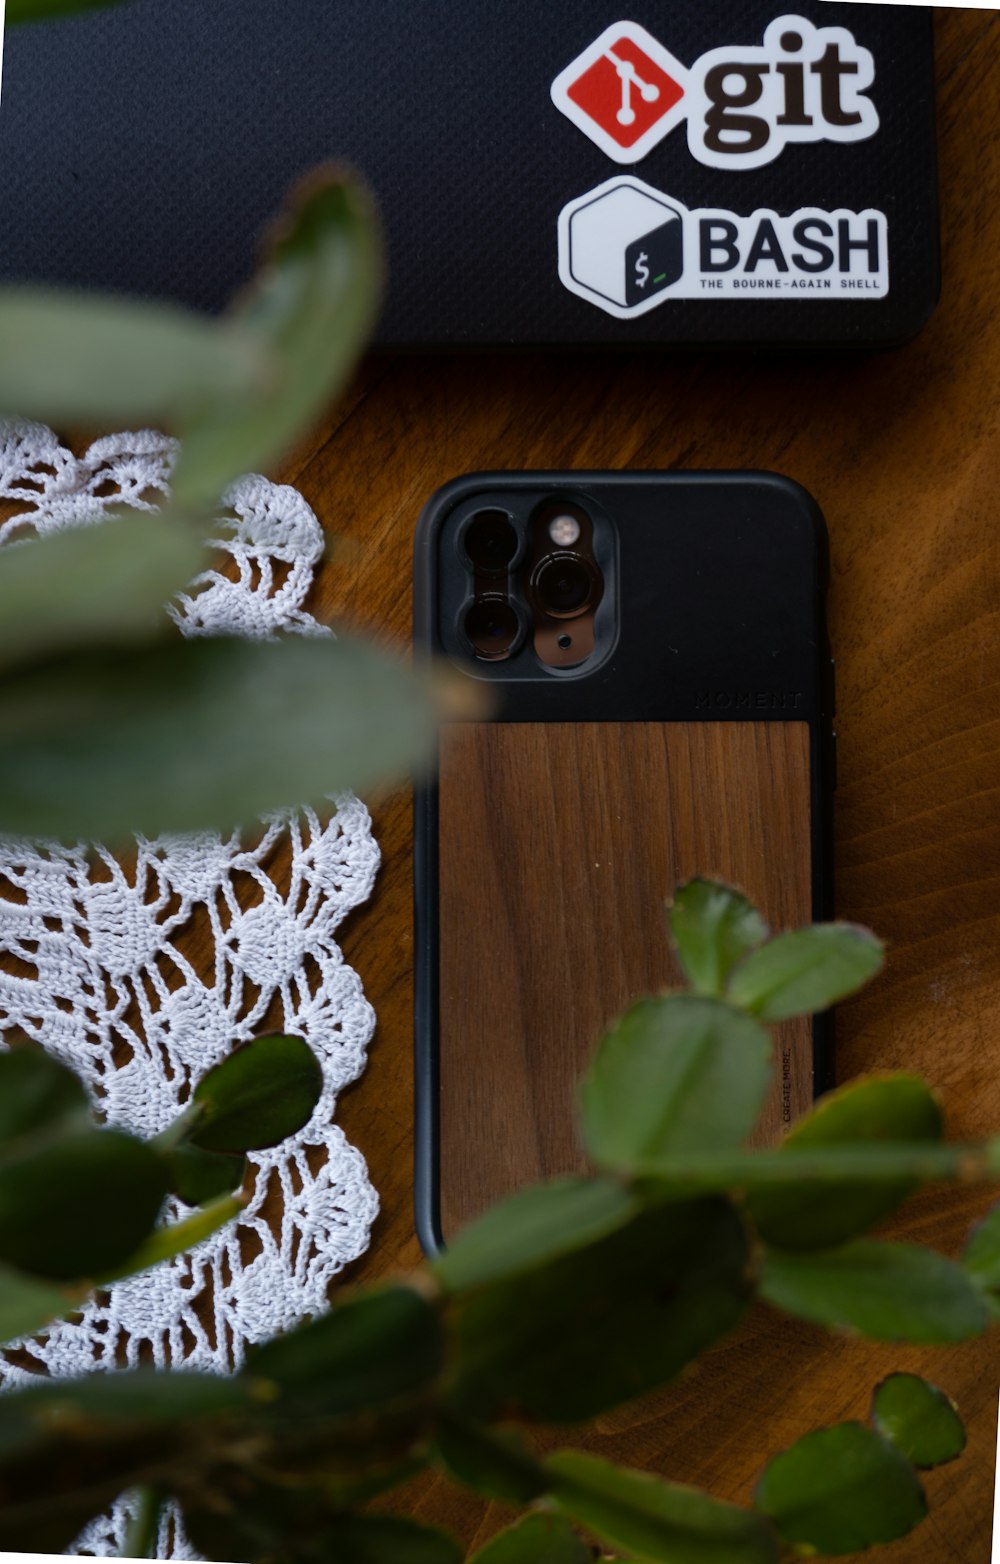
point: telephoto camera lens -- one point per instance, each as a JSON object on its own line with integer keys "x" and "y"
{"x": 564, "y": 585}
{"x": 490, "y": 541}
{"x": 492, "y": 628}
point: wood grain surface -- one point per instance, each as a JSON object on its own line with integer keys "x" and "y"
{"x": 901, "y": 450}
{"x": 557, "y": 845}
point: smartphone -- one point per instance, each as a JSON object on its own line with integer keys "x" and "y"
{"x": 653, "y": 650}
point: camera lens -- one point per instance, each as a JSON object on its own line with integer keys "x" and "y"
{"x": 490, "y": 541}
{"x": 564, "y": 585}
{"x": 492, "y": 627}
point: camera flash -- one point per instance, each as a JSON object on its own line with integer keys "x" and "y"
{"x": 564, "y": 531}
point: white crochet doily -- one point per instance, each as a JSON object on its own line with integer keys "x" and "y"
{"x": 98, "y": 959}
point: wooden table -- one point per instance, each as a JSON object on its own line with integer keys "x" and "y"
{"x": 901, "y": 451}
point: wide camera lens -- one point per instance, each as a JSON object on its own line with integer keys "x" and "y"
{"x": 490, "y": 541}
{"x": 564, "y": 585}
{"x": 492, "y": 628}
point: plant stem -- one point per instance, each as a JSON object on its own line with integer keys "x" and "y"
{"x": 143, "y": 1528}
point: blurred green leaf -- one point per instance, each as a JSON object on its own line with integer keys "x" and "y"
{"x": 713, "y": 927}
{"x": 187, "y": 735}
{"x": 841, "y": 1490}
{"x": 537, "y": 1539}
{"x": 311, "y": 309}
{"x": 920, "y": 1420}
{"x": 536, "y": 1225}
{"x": 806, "y": 971}
{"x": 175, "y": 1238}
{"x": 368, "y": 1351}
{"x": 105, "y": 581}
{"x": 891, "y": 1292}
{"x": 257, "y": 1096}
{"x": 673, "y": 1075}
{"x": 197, "y": 1176}
{"x": 78, "y": 357}
{"x": 884, "y": 1108}
{"x": 43, "y": 10}
{"x": 295, "y": 1522}
{"x": 77, "y": 1206}
{"x": 981, "y": 1257}
{"x": 585, "y": 1332}
{"x": 26, "y": 1303}
{"x": 80, "y": 1408}
{"x": 67, "y": 1449}
{"x": 37, "y": 1093}
{"x": 657, "y": 1520}
{"x": 491, "y": 1461}
{"x": 825, "y": 1166}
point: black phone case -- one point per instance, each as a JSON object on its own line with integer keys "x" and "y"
{"x": 719, "y": 582}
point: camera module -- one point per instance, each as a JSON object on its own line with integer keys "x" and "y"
{"x": 490, "y": 541}
{"x": 492, "y": 628}
{"x": 564, "y": 585}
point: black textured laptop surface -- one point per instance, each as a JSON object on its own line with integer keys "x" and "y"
{"x": 682, "y": 172}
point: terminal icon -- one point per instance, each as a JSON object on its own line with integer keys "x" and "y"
{"x": 621, "y": 246}
{"x": 625, "y": 91}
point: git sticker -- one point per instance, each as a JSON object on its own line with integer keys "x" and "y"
{"x": 626, "y": 92}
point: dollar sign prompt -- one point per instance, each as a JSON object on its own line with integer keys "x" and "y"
{"x": 641, "y": 269}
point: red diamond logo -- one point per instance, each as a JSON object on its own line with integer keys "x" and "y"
{"x": 626, "y": 92}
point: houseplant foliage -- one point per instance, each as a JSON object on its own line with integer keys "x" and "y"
{"x": 160, "y": 733}
{"x": 567, "y": 1300}
{"x": 80, "y": 1204}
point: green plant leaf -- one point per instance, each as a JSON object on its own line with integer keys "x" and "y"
{"x": 920, "y": 1420}
{"x": 43, "y": 10}
{"x": 537, "y": 1539}
{"x": 825, "y": 1166}
{"x": 673, "y": 1075}
{"x": 884, "y": 1108}
{"x": 295, "y": 1522}
{"x": 49, "y": 1197}
{"x": 841, "y": 1490}
{"x": 67, "y": 1449}
{"x": 176, "y": 1238}
{"x": 95, "y": 583}
{"x": 713, "y": 927}
{"x": 657, "y": 1520}
{"x": 491, "y": 1461}
{"x": 981, "y": 1257}
{"x": 37, "y": 1093}
{"x": 311, "y": 308}
{"x": 368, "y": 1351}
{"x": 79, "y": 1408}
{"x": 596, "y": 1327}
{"x": 806, "y": 971}
{"x": 891, "y": 1292}
{"x": 533, "y": 1226}
{"x": 81, "y": 358}
{"x": 257, "y": 1096}
{"x": 202, "y": 733}
{"x": 197, "y": 1176}
{"x": 26, "y": 1303}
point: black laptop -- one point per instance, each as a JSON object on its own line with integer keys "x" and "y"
{"x": 687, "y": 173}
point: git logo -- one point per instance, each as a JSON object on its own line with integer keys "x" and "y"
{"x": 743, "y": 103}
{"x": 626, "y": 92}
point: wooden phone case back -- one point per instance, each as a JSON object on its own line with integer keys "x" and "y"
{"x": 558, "y": 848}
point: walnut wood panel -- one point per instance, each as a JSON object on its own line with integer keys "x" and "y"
{"x": 558, "y": 843}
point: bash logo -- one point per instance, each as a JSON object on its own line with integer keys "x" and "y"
{"x": 628, "y": 248}
{"x": 743, "y": 104}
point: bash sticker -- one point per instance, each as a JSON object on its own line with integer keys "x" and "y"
{"x": 744, "y": 104}
{"x": 627, "y": 248}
